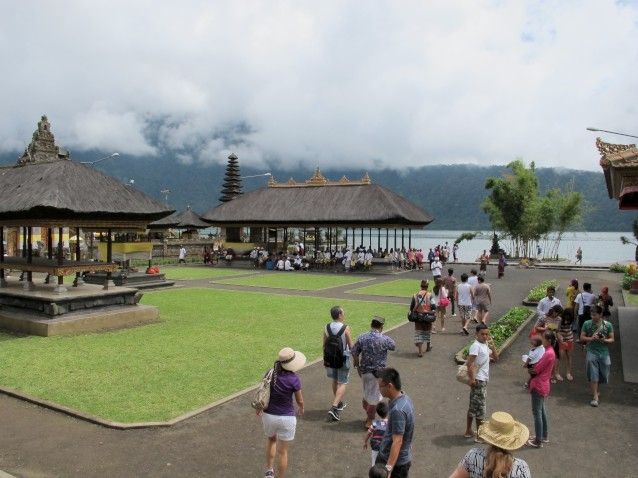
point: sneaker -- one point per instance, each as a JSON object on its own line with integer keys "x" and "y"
{"x": 334, "y": 414}
{"x": 269, "y": 474}
{"x": 533, "y": 444}
{"x": 453, "y": 315}
{"x": 342, "y": 405}
{"x": 594, "y": 403}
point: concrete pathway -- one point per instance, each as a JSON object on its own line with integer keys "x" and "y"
{"x": 228, "y": 441}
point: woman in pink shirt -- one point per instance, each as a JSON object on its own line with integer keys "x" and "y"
{"x": 539, "y": 389}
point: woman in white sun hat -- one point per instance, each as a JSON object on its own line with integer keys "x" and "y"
{"x": 278, "y": 418}
{"x": 503, "y": 434}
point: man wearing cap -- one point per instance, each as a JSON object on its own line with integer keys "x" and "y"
{"x": 370, "y": 354}
{"x": 436, "y": 267}
{"x": 478, "y": 370}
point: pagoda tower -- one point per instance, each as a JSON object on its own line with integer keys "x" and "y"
{"x": 232, "y": 180}
{"x": 232, "y": 189}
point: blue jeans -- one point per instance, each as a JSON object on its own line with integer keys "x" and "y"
{"x": 540, "y": 416}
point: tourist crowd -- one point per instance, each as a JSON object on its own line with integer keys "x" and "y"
{"x": 389, "y": 412}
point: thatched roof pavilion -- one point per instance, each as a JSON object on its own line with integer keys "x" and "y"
{"x": 320, "y": 203}
{"x": 45, "y": 188}
{"x": 187, "y": 219}
{"x": 620, "y": 165}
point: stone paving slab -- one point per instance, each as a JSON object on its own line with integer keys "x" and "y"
{"x": 228, "y": 440}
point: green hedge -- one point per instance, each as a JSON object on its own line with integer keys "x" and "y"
{"x": 538, "y": 292}
{"x": 617, "y": 267}
{"x": 503, "y": 328}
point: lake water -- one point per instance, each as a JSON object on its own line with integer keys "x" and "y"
{"x": 598, "y": 247}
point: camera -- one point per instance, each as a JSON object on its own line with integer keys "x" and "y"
{"x": 600, "y": 336}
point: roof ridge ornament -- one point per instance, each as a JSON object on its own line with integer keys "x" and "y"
{"x": 623, "y": 153}
{"x": 42, "y": 148}
{"x": 318, "y": 179}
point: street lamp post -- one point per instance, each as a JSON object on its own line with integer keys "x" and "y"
{"x": 256, "y": 176}
{"x": 114, "y": 155}
{"x": 612, "y": 132}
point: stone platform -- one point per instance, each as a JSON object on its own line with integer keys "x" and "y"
{"x": 139, "y": 280}
{"x": 44, "y": 311}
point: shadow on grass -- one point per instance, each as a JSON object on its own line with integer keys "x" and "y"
{"x": 6, "y": 336}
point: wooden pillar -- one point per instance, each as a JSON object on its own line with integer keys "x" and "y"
{"x": 28, "y": 284}
{"x": 330, "y": 239}
{"x": 316, "y": 241}
{"x": 410, "y": 238}
{"x": 60, "y": 253}
{"x": 3, "y": 281}
{"x": 109, "y": 257}
{"x": 304, "y": 241}
{"x": 402, "y": 240}
{"x": 24, "y": 249}
{"x": 47, "y": 279}
{"x": 78, "y": 277}
{"x": 370, "y": 238}
{"x": 361, "y": 237}
{"x": 387, "y": 239}
{"x": 346, "y": 236}
{"x": 395, "y": 238}
{"x": 378, "y": 240}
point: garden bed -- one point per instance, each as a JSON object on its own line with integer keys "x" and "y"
{"x": 538, "y": 292}
{"x": 503, "y": 331}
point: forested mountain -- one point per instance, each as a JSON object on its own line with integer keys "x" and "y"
{"x": 451, "y": 193}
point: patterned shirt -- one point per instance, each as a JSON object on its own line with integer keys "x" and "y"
{"x": 474, "y": 461}
{"x": 372, "y": 349}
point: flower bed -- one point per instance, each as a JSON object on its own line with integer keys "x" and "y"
{"x": 538, "y": 292}
{"x": 502, "y": 330}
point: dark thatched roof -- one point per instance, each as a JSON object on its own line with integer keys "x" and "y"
{"x": 47, "y": 188}
{"x": 180, "y": 220}
{"x": 362, "y": 204}
{"x": 63, "y": 190}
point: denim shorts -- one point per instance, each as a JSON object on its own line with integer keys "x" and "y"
{"x": 598, "y": 368}
{"x": 340, "y": 374}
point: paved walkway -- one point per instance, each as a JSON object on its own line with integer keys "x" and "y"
{"x": 228, "y": 442}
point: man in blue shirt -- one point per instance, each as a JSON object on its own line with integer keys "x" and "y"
{"x": 395, "y": 451}
{"x": 370, "y": 354}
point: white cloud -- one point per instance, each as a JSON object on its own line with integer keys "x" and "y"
{"x": 328, "y": 83}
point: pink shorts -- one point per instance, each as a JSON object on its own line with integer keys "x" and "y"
{"x": 566, "y": 346}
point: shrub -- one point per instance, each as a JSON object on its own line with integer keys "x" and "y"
{"x": 538, "y": 292}
{"x": 503, "y": 328}
{"x": 617, "y": 267}
{"x": 627, "y": 279}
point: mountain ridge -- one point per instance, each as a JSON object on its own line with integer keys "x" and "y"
{"x": 450, "y": 193}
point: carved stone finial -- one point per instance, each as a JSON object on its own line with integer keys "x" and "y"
{"x": 366, "y": 179}
{"x": 271, "y": 181}
{"x": 42, "y": 147}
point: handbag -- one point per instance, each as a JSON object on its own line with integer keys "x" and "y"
{"x": 262, "y": 394}
{"x": 462, "y": 374}
{"x": 427, "y": 316}
{"x": 444, "y": 302}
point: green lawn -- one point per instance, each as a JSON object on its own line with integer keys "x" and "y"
{"x": 210, "y": 344}
{"x": 293, "y": 280}
{"x": 631, "y": 300}
{"x": 192, "y": 273}
{"x": 396, "y": 288}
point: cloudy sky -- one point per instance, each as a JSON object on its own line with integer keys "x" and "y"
{"x": 362, "y": 83}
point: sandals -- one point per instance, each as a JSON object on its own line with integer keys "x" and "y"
{"x": 559, "y": 378}
{"x": 569, "y": 377}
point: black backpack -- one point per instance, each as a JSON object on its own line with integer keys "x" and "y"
{"x": 333, "y": 353}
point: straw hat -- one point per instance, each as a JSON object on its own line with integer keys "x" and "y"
{"x": 504, "y": 432}
{"x": 291, "y": 360}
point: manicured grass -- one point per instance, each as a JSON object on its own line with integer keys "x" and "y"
{"x": 209, "y": 344}
{"x": 193, "y": 273}
{"x": 293, "y": 280}
{"x": 395, "y": 288}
